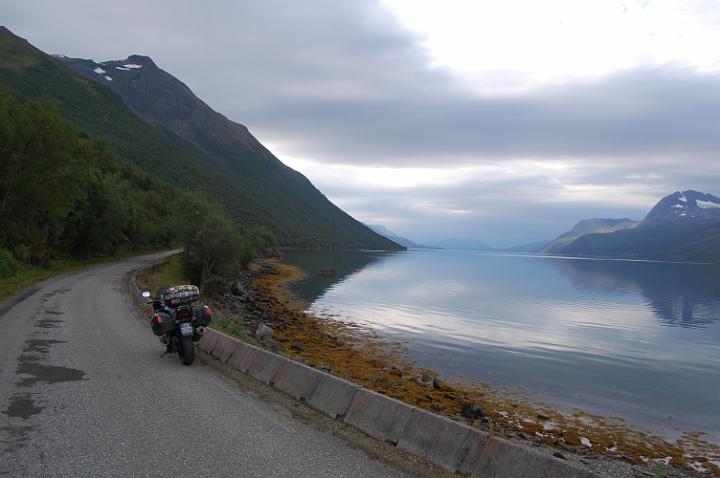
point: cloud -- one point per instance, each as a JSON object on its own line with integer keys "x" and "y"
{"x": 345, "y": 93}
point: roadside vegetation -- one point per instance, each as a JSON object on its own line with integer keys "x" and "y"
{"x": 67, "y": 200}
{"x": 172, "y": 271}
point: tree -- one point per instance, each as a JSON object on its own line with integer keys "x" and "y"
{"x": 42, "y": 166}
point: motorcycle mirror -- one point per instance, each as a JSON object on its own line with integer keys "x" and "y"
{"x": 146, "y": 294}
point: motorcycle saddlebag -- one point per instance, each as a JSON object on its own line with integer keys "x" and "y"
{"x": 202, "y": 316}
{"x": 161, "y": 323}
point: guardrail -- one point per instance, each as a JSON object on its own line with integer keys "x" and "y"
{"x": 453, "y": 446}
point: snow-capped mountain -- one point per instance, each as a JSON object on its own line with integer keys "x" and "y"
{"x": 685, "y": 206}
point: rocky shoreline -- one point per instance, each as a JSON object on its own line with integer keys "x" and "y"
{"x": 261, "y": 303}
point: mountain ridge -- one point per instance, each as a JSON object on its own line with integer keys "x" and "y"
{"x": 587, "y": 226}
{"x": 681, "y": 226}
{"x": 254, "y": 186}
{"x": 403, "y": 241}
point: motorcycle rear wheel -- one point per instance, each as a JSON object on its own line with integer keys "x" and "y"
{"x": 187, "y": 350}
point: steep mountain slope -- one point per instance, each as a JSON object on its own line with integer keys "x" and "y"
{"x": 283, "y": 196}
{"x": 587, "y": 226}
{"x": 182, "y": 140}
{"x": 683, "y": 225}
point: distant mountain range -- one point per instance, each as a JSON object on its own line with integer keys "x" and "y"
{"x": 152, "y": 120}
{"x": 536, "y": 246}
{"x": 403, "y": 241}
{"x": 462, "y": 243}
{"x": 681, "y": 226}
{"x": 587, "y": 226}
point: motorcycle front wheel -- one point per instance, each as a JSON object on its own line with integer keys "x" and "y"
{"x": 187, "y": 350}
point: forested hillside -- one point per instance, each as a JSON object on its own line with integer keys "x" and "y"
{"x": 63, "y": 194}
{"x": 254, "y": 187}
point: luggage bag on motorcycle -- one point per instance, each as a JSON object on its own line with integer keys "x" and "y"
{"x": 202, "y": 316}
{"x": 161, "y": 323}
{"x": 180, "y": 294}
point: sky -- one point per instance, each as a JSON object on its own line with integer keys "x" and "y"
{"x": 505, "y": 121}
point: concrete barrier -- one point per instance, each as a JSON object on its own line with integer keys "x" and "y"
{"x": 223, "y": 347}
{"x": 500, "y": 458}
{"x": 263, "y": 365}
{"x": 378, "y": 416}
{"x": 208, "y": 341}
{"x": 296, "y": 379}
{"x": 332, "y": 395}
{"x": 449, "y": 444}
{"x": 242, "y": 357}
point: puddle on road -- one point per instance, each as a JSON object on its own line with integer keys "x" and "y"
{"x": 22, "y": 406}
{"x": 41, "y": 345}
{"x": 29, "y": 364}
{"x": 48, "y": 324}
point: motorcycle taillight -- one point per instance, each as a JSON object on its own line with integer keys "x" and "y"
{"x": 158, "y": 318}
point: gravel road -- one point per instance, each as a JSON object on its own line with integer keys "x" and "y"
{"x": 84, "y": 392}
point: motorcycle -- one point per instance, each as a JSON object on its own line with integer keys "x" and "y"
{"x": 177, "y": 322}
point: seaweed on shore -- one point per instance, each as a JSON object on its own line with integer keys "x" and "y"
{"x": 356, "y": 354}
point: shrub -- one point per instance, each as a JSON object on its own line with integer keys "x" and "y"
{"x": 8, "y": 264}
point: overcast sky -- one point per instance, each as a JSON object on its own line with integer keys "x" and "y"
{"x": 505, "y": 121}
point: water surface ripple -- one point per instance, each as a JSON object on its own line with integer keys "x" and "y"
{"x": 635, "y": 339}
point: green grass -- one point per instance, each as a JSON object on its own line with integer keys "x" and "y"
{"x": 168, "y": 272}
{"x": 223, "y": 323}
{"x": 28, "y": 276}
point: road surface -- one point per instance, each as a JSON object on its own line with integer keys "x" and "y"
{"x": 84, "y": 393}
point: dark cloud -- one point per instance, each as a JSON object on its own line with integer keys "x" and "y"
{"x": 344, "y": 83}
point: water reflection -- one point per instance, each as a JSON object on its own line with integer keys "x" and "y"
{"x": 344, "y": 263}
{"x": 607, "y": 336}
{"x": 680, "y": 295}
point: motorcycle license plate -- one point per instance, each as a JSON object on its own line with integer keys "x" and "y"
{"x": 186, "y": 328}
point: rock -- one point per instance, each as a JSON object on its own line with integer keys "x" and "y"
{"x": 557, "y": 454}
{"x": 425, "y": 380}
{"x": 470, "y": 410}
{"x": 298, "y": 347}
{"x": 440, "y": 385}
{"x": 262, "y": 332}
{"x": 238, "y": 289}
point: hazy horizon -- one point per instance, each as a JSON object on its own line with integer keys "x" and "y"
{"x": 506, "y": 122}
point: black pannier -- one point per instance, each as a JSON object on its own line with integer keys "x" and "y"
{"x": 202, "y": 316}
{"x": 161, "y": 323}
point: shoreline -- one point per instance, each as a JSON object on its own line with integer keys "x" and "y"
{"x": 359, "y": 355}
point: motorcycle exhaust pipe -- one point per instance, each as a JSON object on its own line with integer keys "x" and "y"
{"x": 201, "y": 331}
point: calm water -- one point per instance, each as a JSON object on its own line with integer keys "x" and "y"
{"x": 640, "y": 340}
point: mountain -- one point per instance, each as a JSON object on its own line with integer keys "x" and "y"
{"x": 462, "y": 243}
{"x": 587, "y": 226}
{"x": 682, "y": 226}
{"x": 684, "y": 208}
{"x": 152, "y": 120}
{"x": 536, "y": 246}
{"x": 383, "y": 231}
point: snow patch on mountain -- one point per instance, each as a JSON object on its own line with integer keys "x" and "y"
{"x": 121, "y": 68}
{"x": 132, "y": 65}
{"x": 707, "y": 204}
{"x": 99, "y": 71}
